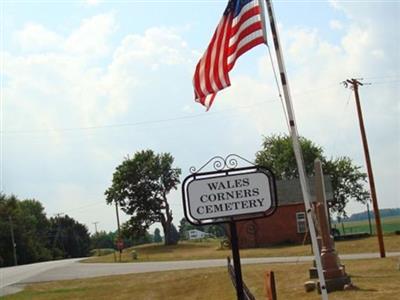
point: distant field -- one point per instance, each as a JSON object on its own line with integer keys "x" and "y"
{"x": 389, "y": 225}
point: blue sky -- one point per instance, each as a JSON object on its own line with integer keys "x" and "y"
{"x": 85, "y": 83}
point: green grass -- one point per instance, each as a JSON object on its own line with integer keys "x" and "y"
{"x": 389, "y": 225}
{"x": 210, "y": 250}
{"x": 101, "y": 251}
{"x": 376, "y": 279}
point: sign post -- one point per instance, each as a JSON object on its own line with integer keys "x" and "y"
{"x": 236, "y": 261}
{"x": 228, "y": 195}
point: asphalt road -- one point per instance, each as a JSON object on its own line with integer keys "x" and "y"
{"x": 11, "y": 276}
{"x": 12, "y": 279}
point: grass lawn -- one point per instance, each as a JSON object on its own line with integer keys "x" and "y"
{"x": 376, "y": 279}
{"x": 389, "y": 225}
{"x": 209, "y": 250}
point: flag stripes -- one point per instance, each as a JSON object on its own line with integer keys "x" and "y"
{"x": 240, "y": 29}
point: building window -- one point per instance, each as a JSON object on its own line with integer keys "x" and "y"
{"x": 301, "y": 222}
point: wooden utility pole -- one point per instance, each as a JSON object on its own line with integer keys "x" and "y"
{"x": 95, "y": 226}
{"x": 97, "y": 241}
{"x": 119, "y": 227}
{"x": 355, "y": 83}
{"x": 119, "y": 239}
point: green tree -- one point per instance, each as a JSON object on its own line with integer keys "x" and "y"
{"x": 278, "y": 155}
{"x": 347, "y": 179}
{"x": 216, "y": 230}
{"x": 184, "y": 227}
{"x": 140, "y": 185}
{"x": 9, "y": 208}
{"x": 30, "y": 228}
{"x": 103, "y": 240}
{"x": 157, "y": 236}
{"x": 173, "y": 234}
{"x": 68, "y": 237}
{"x": 347, "y": 183}
{"x": 134, "y": 239}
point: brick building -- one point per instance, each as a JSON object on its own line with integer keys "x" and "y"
{"x": 288, "y": 224}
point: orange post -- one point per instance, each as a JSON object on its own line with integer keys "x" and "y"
{"x": 270, "y": 289}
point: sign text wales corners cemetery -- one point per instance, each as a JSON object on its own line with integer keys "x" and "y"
{"x": 235, "y": 194}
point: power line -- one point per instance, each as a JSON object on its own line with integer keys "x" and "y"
{"x": 84, "y": 206}
{"x": 382, "y": 77}
{"x": 159, "y": 121}
{"x": 385, "y": 82}
{"x": 133, "y": 124}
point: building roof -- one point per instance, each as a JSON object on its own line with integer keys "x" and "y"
{"x": 289, "y": 191}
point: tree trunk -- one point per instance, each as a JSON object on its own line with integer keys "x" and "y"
{"x": 166, "y": 222}
{"x": 167, "y": 234}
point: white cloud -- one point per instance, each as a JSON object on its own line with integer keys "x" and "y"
{"x": 88, "y": 93}
{"x": 36, "y": 37}
{"x": 91, "y": 38}
{"x": 158, "y": 45}
{"x": 60, "y": 85}
{"x": 301, "y": 42}
{"x": 336, "y": 24}
{"x": 93, "y": 2}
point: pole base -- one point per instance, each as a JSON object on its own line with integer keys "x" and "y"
{"x": 335, "y": 284}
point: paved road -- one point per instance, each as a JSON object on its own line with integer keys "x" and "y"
{"x": 13, "y": 278}
{"x": 13, "y": 275}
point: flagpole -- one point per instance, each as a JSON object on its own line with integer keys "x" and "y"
{"x": 297, "y": 149}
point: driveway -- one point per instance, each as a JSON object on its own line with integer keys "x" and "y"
{"x": 13, "y": 279}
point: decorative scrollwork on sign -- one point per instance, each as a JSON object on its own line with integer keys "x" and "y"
{"x": 219, "y": 163}
{"x": 232, "y": 160}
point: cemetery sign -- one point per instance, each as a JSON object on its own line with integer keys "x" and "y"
{"x": 229, "y": 195}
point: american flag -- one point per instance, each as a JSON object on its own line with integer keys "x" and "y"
{"x": 240, "y": 29}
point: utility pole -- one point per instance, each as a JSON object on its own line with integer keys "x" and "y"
{"x": 14, "y": 245}
{"x": 116, "y": 211}
{"x": 97, "y": 241}
{"x": 95, "y": 226}
{"x": 354, "y": 85}
{"x": 119, "y": 239}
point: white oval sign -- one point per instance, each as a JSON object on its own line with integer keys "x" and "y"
{"x": 229, "y": 195}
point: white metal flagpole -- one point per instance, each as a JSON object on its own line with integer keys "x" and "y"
{"x": 297, "y": 149}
